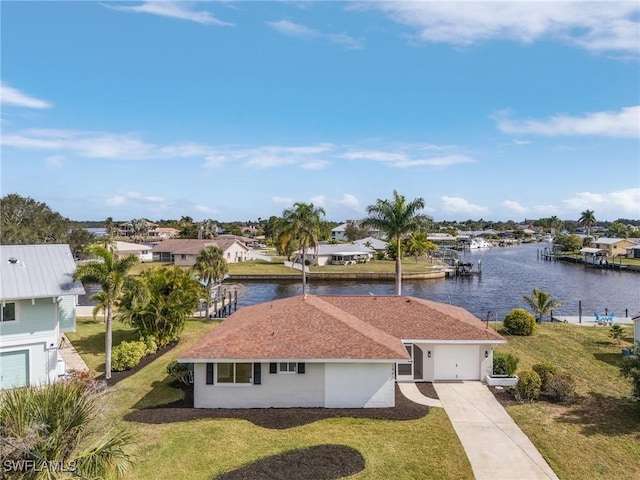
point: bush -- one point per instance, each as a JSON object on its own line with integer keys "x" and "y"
{"x": 528, "y": 387}
{"x": 560, "y": 387}
{"x": 179, "y": 371}
{"x": 630, "y": 368}
{"x": 505, "y": 364}
{"x": 519, "y": 322}
{"x": 127, "y": 355}
{"x": 150, "y": 343}
{"x": 546, "y": 371}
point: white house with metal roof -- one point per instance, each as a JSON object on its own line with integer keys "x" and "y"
{"x": 38, "y": 297}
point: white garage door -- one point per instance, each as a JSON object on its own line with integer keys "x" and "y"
{"x": 457, "y": 362}
{"x": 14, "y": 369}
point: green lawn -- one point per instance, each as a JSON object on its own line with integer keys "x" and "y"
{"x": 596, "y": 438}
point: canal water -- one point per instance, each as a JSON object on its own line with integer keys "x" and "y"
{"x": 508, "y": 273}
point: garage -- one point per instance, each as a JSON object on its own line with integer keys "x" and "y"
{"x": 14, "y": 369}
{"x": 457, "y": 362}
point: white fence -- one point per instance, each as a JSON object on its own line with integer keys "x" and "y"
{"x": 296, "y": 266}
{"x": 259, "y": 256}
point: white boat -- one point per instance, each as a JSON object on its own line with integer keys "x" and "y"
{"x": 477, "y": 243}
{"x": 548, "y": 238}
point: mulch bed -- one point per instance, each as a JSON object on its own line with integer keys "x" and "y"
{"x": 146, "y": 360}
{"x": 321, "y": 462}
{"x": 277, "y": 418}
{"x": 504, "y": 396}
{"x": 427, "y": 389}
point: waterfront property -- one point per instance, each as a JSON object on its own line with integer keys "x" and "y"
{"x": 614, "y": 247}
{"x": 340, "y": 254}
{"x": 38, "y": 297}
{"x": 336, "y": 351}
{"x": 184, "y": 252}
{"x": 123, "y": 249}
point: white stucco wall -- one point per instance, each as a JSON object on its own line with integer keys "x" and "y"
{"x": 356, "y": 385}
{"x": 278, "y": 390}
{"x": 636, "y": 331}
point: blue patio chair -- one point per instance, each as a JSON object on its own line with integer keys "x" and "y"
{"x": 598, "y": 317}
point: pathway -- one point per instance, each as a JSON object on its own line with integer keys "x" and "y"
{"x": 410, "y": 390}
{"x": 496, "y": 447}
{"x": 70, "y": 355}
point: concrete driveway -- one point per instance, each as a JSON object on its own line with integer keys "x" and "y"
{"x": 495, "y": 445}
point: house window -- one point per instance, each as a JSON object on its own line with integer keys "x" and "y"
{"x": 287, "y": 367}
{"x": 235, "y": 372}
{"x": 8, "y": 312}
{"x": 183, "y": 256}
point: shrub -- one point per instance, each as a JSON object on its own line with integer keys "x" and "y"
{"x": 546, "y": 371}
{"x": 505, "y": 364}
{"x": 630, "y": 368}
{"x": 519, "y": 322}
{"x": 179, "y": 371}
{"x": 560, "y": 387}
{"x": 151, "y": 344}
{"x": 127, "y": 355}
{"x": 528, "y": 387}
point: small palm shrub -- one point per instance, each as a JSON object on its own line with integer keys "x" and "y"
{"x": 505, "y": 364}
{"x": 179, "y": 371}
{"x": 528, "y": 387}
{"x": 127, "y": 355}
{"x": 519, "y": 322}
{"x": 546, "y": 371}
{"x": 560, "y": 387}
{"x": 151, "y": 344}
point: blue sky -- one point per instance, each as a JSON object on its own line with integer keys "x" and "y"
{"x": 235, "y": 110}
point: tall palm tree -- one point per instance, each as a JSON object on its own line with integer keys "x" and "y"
{"x": 140, "y": 229}
{"x": 303, "y": 223}
{"x": 541, "y": 302}
{"x": 556, "y": 224}
{"x": 210, "y": 267}
{"x": 112, "y": 274}
{"x": 588, "y": 220}
{"x": 396, "y": 217}
{"x": 417, "y": 244}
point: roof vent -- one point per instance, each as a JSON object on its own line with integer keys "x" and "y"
{"x": 13, "y": 260}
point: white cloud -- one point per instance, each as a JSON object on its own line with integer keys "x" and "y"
{"x": 292, "y": 29}
{"x": 121, "y": 199}
{"x": 278, "y": 156}
{"x": 624, "y": 123}
{"x": 521, "y": 142}
{"x": 318, "y": 201}
{"x": 55, "y": 161}
{"x": 623, "y": 201}
{"x": 350, "y": 201}
{"x": 514, "y": 206}
{"x": 546, "y": 210}
{"x": 595, "y": 26}
{"x": 315, "y": 165}
{"x": 460, "y": 205}
{"x": 407, "y": 159}
{"x": 282, "y": 200}
{"x": 13, "y": 96}
{"x": 182, "y": 10}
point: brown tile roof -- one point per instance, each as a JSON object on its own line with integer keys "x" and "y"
{"x": 333, "y": 327}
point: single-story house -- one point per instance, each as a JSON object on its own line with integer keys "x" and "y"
{"x": 340, "y": 254}
{"x": 38, "y": 297}
{"x": 183, "y": 252}
{"x": 140, "y": 250}
{"x": 613, "y": 246}
{"x": 336, "y": 351}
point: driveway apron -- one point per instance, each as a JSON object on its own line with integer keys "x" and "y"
{"x": 496, "y": 447}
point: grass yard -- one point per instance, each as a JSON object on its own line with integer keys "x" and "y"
{"x": 599, "y": 436}
{"x": 427, "y": 448}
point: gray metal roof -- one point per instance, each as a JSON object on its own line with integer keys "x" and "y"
{"x": 37, "y": 271}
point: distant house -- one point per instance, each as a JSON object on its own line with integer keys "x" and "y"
{"x": 339, "y": 233}
{"x": 372, "y": 242}
{"x": 165, "y": 232}
{"x": 39, "y": 299}
{"x": 634, "y": 251}
{"x": 336, "y": 352}
{"x": 340, "y": 254}
{"x": 183, "y": 252}
{"x": 614, "y": 247}
{"x": 126, "y": 229}
{"x": 142, "y": 251}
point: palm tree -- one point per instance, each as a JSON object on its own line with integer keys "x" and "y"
{"x": 60, "y": 424}
{"x": 541, "y": 302}
{"x": 588, "y": 220}
{"x": 555, "y": 224}
{"x": 208, "y": 228}
{"x": 111, "y": 273}
{"x": 210, "y": 267}
{"x": 396, "y": 218}
{"x": 303, "y": 223}
{"x": 140, "y": 229}
{"x": 417, "y": 244}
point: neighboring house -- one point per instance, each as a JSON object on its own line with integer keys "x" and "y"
{"x": 126, "y": 229}
{"x": 636, "y": 332}
{"x": 633, "y": 252}
{"x": 339, "y": 254}
{"x": 372, "y": 242}
{"x": 336, "y": 351}
{"x": 340, "y": 232}
{"x": 38, "y": 298}
{"x": 184, "y": 252}
{"x": 165, "y": 232}
{"x": 140, "y": 250}
{"x": 614, "y": 247}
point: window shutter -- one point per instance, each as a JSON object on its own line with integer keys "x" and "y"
{"x": 209, "y": 373}
{"x": 301, "y": 367}
{"x": 273, "y": 367}
{"x": 257, "y": 373}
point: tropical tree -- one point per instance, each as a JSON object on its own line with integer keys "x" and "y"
{"x": 26, "y": 221}
{"x": 617, "y": 332}
{"x": 79, "y": 239}
{"x": 619, "y": 230}
{"x": 210, "y": 267}
{"x": 112, "y": 274}
{"x": 302, "y": 222}
{"x": 208, "y": 228}
{"x": 541, "y": 302}
{"x": 140, "y": 229}
{"x": 110, "y": 227}
{"x": 555, "y": 224}
{"x": 417, "y": 244}
{"x": 60, "y": 424}
{"x": 161, "y": 304}
{"x": 588, "y": 220}
{"x": 396, "y": 218}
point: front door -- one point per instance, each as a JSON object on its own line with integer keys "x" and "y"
{"x": 404, "y": 370}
